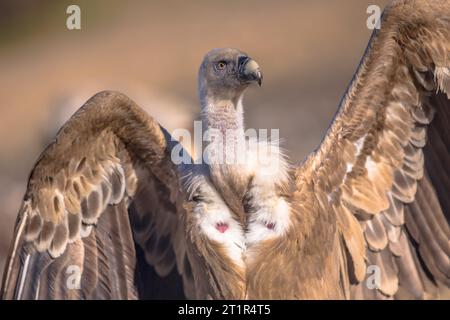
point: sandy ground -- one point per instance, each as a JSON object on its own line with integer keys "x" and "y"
{"x": 308, "y": 50}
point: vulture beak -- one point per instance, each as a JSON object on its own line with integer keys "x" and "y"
{"x": 249, "y": 71}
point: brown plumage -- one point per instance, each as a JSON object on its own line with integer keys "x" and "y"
{"x": 106, "y": 198}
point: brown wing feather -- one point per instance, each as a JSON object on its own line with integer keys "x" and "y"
{"x": 108, "y": 165}
{"x": 386, "y": 155}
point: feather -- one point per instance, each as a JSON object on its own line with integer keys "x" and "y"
{"x": 117, "y": 186}
{"x": 354, "y": 242}
{"x": 34, "y": 226}
{"x": 375, "y": 234}
{"x": 60, "y": 239}
{"x": 395, "y": 212}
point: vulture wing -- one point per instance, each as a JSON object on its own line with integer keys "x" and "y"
{"x": 102, "y": 215}
{"x": 382, "y": 167}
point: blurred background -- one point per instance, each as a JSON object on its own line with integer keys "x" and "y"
{"x": 151, "y": 50}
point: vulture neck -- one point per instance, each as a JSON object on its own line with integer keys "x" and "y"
{"x": 224, "y": 149}
{"x": 223, "y": 120}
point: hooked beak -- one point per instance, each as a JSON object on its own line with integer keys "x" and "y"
{"x": 249, "y": 70}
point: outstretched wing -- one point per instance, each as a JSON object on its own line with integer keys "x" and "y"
{"x": 102, "y": 217}
{"x": 383, "y": 165}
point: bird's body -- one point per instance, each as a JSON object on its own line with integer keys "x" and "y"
{"x": 108, "y": 214}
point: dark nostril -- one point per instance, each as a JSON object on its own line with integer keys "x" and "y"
{"x": 242, "y": 60}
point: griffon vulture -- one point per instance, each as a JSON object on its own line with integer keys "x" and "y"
{"x": 108, "y": 214}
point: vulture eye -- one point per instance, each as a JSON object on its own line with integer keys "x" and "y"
{"x": 221, "y": 65}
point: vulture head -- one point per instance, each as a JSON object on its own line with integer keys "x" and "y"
{"x": 225, "y": 73}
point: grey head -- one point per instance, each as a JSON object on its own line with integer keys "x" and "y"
{"x": 224, "y": 75}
